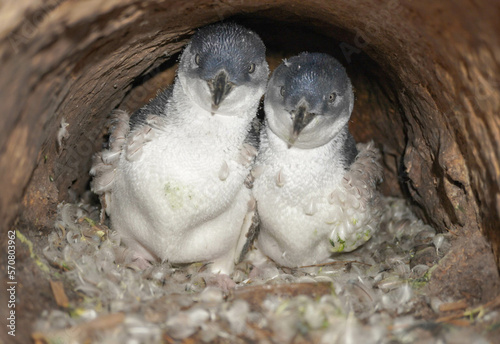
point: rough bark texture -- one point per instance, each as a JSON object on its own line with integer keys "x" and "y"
{"x": 425, "y": 74}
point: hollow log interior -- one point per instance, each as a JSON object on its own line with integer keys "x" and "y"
{"x": 425, "y": 73}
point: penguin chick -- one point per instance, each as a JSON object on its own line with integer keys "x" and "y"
{"x": 172, "y": 181}
{"x": 315, "y": 190}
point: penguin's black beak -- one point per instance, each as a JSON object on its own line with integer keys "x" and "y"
{"x": 301, "y": 117}
{"x": 220, "y": 87}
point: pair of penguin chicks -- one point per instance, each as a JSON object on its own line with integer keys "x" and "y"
{"x": 173, "y": 180}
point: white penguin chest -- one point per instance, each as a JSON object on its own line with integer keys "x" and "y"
{"x": 293, "y": 202}
{"x": 296, "y": 186}
{"x": 188, "y": 170}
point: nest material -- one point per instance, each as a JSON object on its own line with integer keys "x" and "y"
{"x": 371, "y": 295}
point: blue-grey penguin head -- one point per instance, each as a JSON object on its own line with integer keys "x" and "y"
{"x": 223, "y": 69}
{"x": 309, "y": 100}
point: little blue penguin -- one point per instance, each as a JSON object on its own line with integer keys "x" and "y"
{"x": 316, "y": 190}
{"x": 173, "y": 178}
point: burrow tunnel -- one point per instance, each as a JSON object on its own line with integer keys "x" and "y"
{"x": 426, "y": 77}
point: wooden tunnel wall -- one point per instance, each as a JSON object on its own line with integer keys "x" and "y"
{"x": 426, "y": 75}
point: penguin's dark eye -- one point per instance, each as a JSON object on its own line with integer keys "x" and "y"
{"x": 332, "y": 97}
{"x": 251, "y": 68}
{"x": 197, "y": 59}
{"x": 282, "y": 91}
